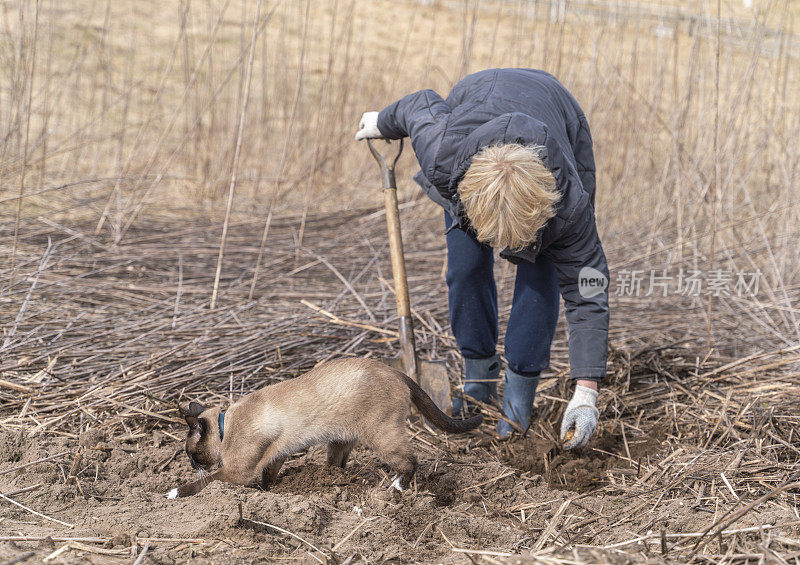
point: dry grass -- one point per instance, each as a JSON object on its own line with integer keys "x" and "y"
{"x": 109, "y": 337}
{"x": 126, "y": 126}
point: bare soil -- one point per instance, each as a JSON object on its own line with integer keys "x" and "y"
{"x": 110, "y": 339}
{"x": 464, "y": 497}
{"x": 581, "y": 471}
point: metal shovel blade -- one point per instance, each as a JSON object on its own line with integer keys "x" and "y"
{"x": 433, "y": 379}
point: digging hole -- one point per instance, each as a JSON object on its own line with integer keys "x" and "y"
{"x": 585, "y": 469}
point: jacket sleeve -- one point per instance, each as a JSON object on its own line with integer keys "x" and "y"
{"x": 581, "y": 140}
{"x": 421, "y": 116}
{"x": 583, "y": 282}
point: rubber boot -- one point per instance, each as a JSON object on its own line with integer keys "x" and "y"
{"x": 518, "y": 396}
{"x": 480, "y": 382}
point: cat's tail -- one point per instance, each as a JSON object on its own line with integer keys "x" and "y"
{"x": 428, "y": 407}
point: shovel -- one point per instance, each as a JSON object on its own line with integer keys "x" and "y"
{"x": 430, "y": 375}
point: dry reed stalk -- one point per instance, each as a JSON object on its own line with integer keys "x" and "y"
{"x": 319, "y": 142}
{"x": 237, "y": 151}
{"x": 132, "y": 215}
{"x": 27, "y": 139}
{"x": 288, "y": 533}
{"x": 284, "y": 154}
{"x": 34, "y": 512}
{"x": 716, "y": 179}
{"x": 140, "y": 557}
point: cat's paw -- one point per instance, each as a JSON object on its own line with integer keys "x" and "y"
{"x": 172, "y": 494}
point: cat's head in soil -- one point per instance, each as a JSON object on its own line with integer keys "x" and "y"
{"x": 203, "y": 444}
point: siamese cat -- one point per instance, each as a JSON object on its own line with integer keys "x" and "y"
{"x": 340, "y": 403}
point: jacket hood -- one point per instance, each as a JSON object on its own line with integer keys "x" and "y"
{"x": 509, "y": 128}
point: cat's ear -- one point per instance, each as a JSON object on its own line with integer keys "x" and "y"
{"x": 195, "y": 409}
{"x": 190, "y": 412}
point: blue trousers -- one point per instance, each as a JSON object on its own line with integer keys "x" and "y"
{"x": 473, "y": 304}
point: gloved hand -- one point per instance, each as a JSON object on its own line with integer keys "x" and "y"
{"x": 582, "y": 414}
{"x": 368, "y": 127}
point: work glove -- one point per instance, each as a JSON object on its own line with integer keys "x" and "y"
{"x": 581, "y": 414}
{"x": 480, "y": 376}
{"x": 368, "y": 127}
{"x": 518, "y": 396}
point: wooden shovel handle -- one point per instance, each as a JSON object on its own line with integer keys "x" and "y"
{"x": 396, "y": 251}
{"x": 407, "y": 344}
{"x": 393, "y": 227}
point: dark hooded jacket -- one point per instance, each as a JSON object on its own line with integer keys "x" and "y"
{"x": 529, "y": 107}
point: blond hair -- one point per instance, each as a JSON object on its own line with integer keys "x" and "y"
{"x": 508, "y": 194}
